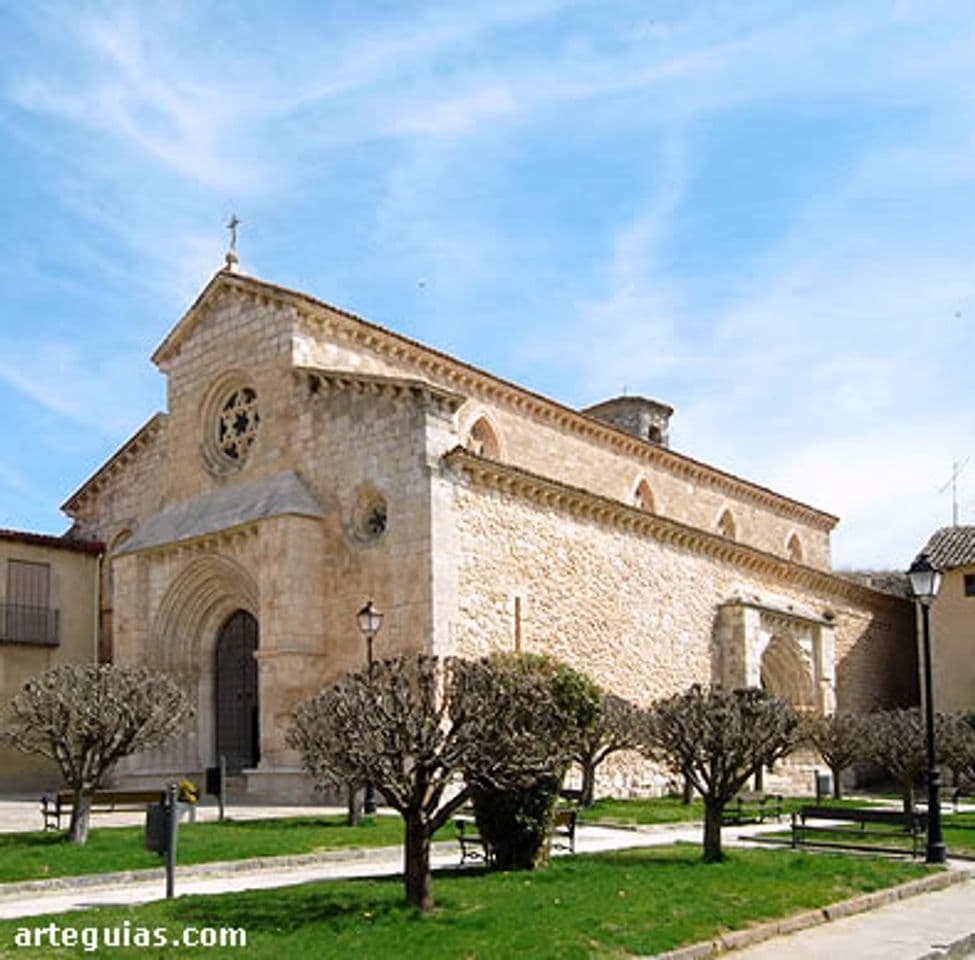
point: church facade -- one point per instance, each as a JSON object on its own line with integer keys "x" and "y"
{"x": 309, "y": 460}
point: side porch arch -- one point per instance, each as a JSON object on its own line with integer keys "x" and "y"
{"x": 789, "y": 652}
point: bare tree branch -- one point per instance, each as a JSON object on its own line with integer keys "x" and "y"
{"x": 621, "y": 725}
{"x": 86, "y": 718}
{"x": 716, "y": 738}
{"x": 840, "y": 739}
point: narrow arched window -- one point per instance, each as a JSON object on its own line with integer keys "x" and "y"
{"x": 643, "y": 497}
{"x": 483, "y": 441}
{"x": 794, "y": 549}
{"x": 726, "y": 525}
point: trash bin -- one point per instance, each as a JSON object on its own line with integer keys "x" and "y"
{"x": 213, "y": 781}
{"x": 155, "y": 839}
{"x": 824, "y": 786}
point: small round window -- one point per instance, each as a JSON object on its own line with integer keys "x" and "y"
{"x": 230, "y": 419}
{"x": 369, "y": 516}
{"x": 237, "y": 424}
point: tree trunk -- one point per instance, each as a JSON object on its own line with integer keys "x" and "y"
{"x": 837, "y": 789}
{"x": 80, "y": 811}
{"x": 588, "y": 785}
{"x": 354, "y": 815}
{"x": 712, "y": 832}
{"x": 908, "y": 801}
{"x": 687, "y": 793}
{"x": 760, "y": 777}
{"x": 416, "y": 873}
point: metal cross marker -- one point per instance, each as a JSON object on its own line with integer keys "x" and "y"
{"x": 232, "y": 226}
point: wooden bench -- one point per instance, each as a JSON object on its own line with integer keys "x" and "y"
{"x": 883, "y": 823}
{"x": 752, "y": 808}
{"x": 55, "y": 805}
{"x": 564, "y": 830}
{"x": 473, "y": 847}
{"x": 959, "y": 792}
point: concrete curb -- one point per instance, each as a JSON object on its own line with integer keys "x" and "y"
{"x": 651, "y": 828}
{"x": 953, "y": 951}
{"x": 735, "y": 939}
{"x": 214, "y": 869}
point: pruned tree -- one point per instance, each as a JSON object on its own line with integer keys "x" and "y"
{"x": 840, "y": 739}
{"x": 421, "y": 722}
{"x": 620, "y": 725}
{"x": 716, "y": 738}
{"x": 956, "y": 746}
{"x": 895, "y": 739}
{"x": 407, "y": 730}
{"x": 86, "y": 718}
{"x": 534, "y": 711}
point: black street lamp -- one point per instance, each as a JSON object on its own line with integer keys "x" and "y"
{"x": 370, "y": 620}
{"x": 925, "y": 583}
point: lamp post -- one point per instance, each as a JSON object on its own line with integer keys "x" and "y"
{"x": 925, "y": 582}
{"x": 370, "y": 620}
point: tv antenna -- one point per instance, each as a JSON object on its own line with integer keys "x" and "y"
{"x": 956, "y": 469}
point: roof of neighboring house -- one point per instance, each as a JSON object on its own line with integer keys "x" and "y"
{"x": 886, "y": 581}
{"x": 47, "y": 540}
{"x": 951, "y": 547}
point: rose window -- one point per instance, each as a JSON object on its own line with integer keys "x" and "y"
{"x": 237, "y": 424}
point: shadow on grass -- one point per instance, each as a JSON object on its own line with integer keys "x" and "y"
{"x": 324, "y": 823}
{"x": 343, "y": 904}
{"x": 289, "y": 909}
{"x": 33, "y": 839}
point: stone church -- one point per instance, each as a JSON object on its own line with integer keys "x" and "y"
{"x": 309, "y": 460}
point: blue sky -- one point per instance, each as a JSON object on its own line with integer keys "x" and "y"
{"x": 759, "y": 212}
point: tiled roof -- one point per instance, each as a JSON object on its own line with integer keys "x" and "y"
{"x": 46, "y": 540}
{"x": 951, "y": 547}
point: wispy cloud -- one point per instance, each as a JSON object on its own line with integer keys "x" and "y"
{"x": 64, "y": 380}
{"x": 399, "y": 150}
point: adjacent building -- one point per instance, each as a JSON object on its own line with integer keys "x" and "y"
{"x": 49, "y": 614}
{"x": 952, "y": 550}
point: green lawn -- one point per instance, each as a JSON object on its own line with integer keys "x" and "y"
{"x": 670, "y": 809}
{"x": 638, "y": 901}
{"x": 31, "y": 856}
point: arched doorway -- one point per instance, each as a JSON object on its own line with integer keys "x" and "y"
{"x": 236, "y": 693}
{"x": 786, "y": 674}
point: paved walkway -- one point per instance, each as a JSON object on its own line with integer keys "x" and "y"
{"x": 924, "y": 926}
{"x": 930, "y": 925}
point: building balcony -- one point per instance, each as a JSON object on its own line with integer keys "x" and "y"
{"x": 25, "y": 624}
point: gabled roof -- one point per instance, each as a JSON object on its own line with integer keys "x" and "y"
{"x": 951, "y": 547}
{"x": 129, "y": 449}
{"x": 466, "y": 378}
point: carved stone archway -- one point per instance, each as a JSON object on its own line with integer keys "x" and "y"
{"x": 200, "y": 600}
{"x": 788, "y": 651}
{"x": 785, "y": 671}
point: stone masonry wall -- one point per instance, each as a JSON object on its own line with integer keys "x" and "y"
{"x": 534, "y": 444}
{"x": 638, "y": 615}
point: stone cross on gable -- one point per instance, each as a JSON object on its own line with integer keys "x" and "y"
{"x": 232, "y": 226}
